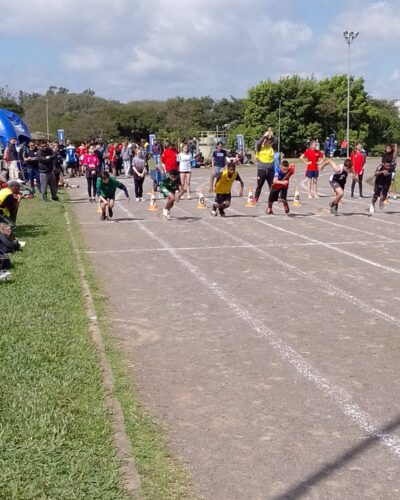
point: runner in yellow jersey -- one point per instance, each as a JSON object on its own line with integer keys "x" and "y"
{"x": 223, "y": 181}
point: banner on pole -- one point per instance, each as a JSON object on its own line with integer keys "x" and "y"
{"x": 240, "y": 142}
{"x": 61, "y": 136}
{"x": 152, "y": 138}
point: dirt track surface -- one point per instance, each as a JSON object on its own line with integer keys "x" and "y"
{"x": 267, "y": 345}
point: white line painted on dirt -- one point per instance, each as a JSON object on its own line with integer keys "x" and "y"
{"x": 220, "y": 247}
{"x": 349, "y": 228}
{"x": 330, "y": 247}
{"x": 330, "y": 391}
{"x": 324, "y": 286}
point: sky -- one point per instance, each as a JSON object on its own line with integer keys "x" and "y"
{"x": 142, "y": 49}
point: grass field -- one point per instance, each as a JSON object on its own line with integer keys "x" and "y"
{"x": 55, "y": 432}
{"x": 54, "y": 426}
{"x": 162, "y": 475}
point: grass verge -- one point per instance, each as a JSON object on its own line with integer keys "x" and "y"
{"x": 55, "y": 433}
{"x": 162, "y": 475}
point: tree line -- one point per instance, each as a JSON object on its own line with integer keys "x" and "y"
{"x": 309, "y": 109}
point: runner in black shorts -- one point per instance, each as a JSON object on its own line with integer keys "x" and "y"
{"x": 383, "y": 179}
{"x": 338, "y": 180}
{"x": 280, "y": 186}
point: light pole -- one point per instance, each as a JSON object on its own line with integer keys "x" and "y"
{"x": 349, "y": 36}
{"x": 47, "y": 119}
{"x": 279, "y": 127}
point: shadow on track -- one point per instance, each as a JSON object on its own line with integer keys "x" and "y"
{"x": 301, "y": 489}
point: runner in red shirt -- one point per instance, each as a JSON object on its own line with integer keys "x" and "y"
{"x": 357, "y": 158}
{"x": 310, "y": 158}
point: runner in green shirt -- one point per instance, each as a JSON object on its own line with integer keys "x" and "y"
{"x": 105, "y": 189}
{"x": 168, "y": 188}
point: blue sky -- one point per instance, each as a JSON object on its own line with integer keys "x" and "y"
{"x": 138, "y": 49}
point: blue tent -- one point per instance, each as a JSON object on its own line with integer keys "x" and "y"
{"x": 11, "y": 125}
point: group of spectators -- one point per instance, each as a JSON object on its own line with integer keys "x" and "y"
{"x": 10, "y": 198}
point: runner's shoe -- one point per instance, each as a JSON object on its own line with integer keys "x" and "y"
{"x": 372, "y": 208}
{"x": 222, "y": 212}
{"x": 110, "y": 212}
{"x": 286, "y": 208}
{"x": 103, "y": 216}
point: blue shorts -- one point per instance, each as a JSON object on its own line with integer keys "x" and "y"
{"x": 312, "y": 174}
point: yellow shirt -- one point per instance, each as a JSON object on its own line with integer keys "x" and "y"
{"x": 5, "y": 193}
{"x": 266, "y": 154}
{"x": 224, "y": 183}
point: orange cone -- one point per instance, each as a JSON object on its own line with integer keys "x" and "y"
{"x": 201, "y": 204}
{"x": 153, "y": 202}
{"x": 296, "y": 199}
{"x": 98, "y": 208}
{"x": 250, "y": 198}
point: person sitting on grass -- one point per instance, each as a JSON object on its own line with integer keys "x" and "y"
{"x": 280, "y": 186}
{"x": 168, "y": 187}
{"x": 223, "y": 181}
{"x": 105, "y": 189}
{"x": 10, "y": 198}
{"x": 8, "y": 242}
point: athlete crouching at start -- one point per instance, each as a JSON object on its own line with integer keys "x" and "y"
{"x": 223, "y": 181}
{"x": 280, "y": 186}
{"x": 105, "y": 189}
{"x": 338, "y": 180}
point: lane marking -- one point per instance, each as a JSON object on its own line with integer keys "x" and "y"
{"x": 332, "y": 392}
{"x": 330, "y": 247}
{"x": 221, "y": 247}
{"x": 326, "y": 287}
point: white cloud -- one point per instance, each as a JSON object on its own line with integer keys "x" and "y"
{"x": 290, "y": 35}
{"x": 138, "y": 49}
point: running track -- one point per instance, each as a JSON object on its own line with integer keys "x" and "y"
{"x": 267, "y": 345}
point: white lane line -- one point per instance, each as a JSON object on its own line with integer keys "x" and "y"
{"x": 331, "y": 247}
{"x": 349, "y": 228}
{"x": 329, "y": 390}
{"x": 381, "y": 219}
{"x": 221, "y": 247}
{"x": 326, "y": 287}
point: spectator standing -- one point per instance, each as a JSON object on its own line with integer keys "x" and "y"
{"x": 98, "y": 151}
{"x": 91, "y": 164}
{"x": 12, "y": 158}
{"x": 184, "y": 159}
{"x": 71, "y": 159}
{"x": 138, "y": 168}
{"x": 343, "y": 148}
{"x": 219, "y": 161}
{"x": 168, "y": 158}
{"x": 32, "y": 162}
{"x": 157, "y": 152}
{"x": 46, "y": 159}
{"x": 126, "y": 155}
{"x": 358, "y": 161}
{"x": 80, "y": 151}
{"x": 310, "y": 158}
